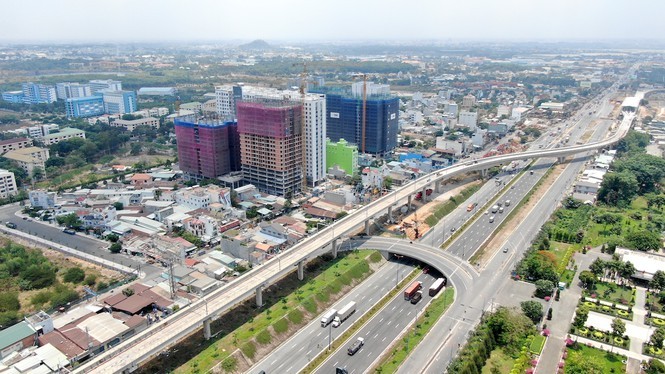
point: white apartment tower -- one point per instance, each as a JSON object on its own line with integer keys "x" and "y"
{"x": 225, "y": 101}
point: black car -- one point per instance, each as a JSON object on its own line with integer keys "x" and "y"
{"x": 416, "y": 297}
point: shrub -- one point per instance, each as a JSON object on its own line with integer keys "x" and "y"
{"x": 9, "y": 302}
{"x": 102, "y": 285}
{"x": 264, "y": 337}
{"x": 229, "y": 364}
{"x": 248, "y": 349}
{"x": 90, "y": 280}
{"x": 41, "y": 298}
{"x": 74, "y": 275}
{"x": 310, "y": 305}
{"x": 295, "y": 316}
{"x": 281, "y": 325}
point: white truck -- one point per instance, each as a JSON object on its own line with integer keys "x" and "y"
{"x": 328, "y": 317}
{"x": 344, "y": 313}
{"x": 495, "y": 208}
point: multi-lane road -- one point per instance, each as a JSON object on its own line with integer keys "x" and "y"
{"x": 149, "y": 343}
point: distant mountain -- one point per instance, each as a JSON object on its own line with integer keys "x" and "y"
{"x": 256, "y": 45}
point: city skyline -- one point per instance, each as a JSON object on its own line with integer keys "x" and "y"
{"x": 294, "y": 20}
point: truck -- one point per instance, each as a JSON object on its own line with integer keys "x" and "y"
{"x": 437, "y": 286}
{"x": 495, "y": 208}
{"x": 412, "y": 289}
{"x": 344, "y": 313}
{"x": 471, "y": 207}
{"x": 428, "y": 192}
{"x": 328, "y": 317}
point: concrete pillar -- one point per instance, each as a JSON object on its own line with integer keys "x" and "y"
{"x": 259, "y": 296}
{"x": 410, "y": 198}
{"x": 301, "y": 270}
{"x": 424, "y": 194}
{"x": 438, "y": 186}
{"x": 561, "y": 160}
{"x": 483, "y": 173}
{"x": 367, "y": 227}
{"x": 206, "y": 329}
{"x": 334, "y": 248}
{"x": 390, "y": 214}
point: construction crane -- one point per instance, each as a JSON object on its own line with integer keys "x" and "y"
{"x": 362, "y": 131}
{"x": 303, "y": 129}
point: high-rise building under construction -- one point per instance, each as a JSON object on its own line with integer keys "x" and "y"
{"x": 271, "y": 144}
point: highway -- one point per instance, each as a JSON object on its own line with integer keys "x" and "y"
{"x": 443, "y": 342}
{"x": 190, "y": 319}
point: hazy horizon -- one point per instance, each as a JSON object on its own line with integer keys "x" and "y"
{"x": 342, "y": 21}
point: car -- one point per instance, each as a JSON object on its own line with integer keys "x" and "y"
{"x": 505, "y": 250}
{"x": 491, "y": 219}
{"x": 69, "y": 231}
{"x": 416, "y": 297}
{"x": 426, "y": 270}
{"x": 25, "y": 218}
{"x": 355, "y": 347}
{"x": 452, "y": 229}
{"x": 11, "y": 225}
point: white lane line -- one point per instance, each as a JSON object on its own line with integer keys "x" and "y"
{"x": 301, "y": 348}
{"x": 381, "y": 320}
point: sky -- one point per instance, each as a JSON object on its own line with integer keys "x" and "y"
{"x": 329, "y": 20}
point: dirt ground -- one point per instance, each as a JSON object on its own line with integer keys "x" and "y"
{"x": 418, "y": 217}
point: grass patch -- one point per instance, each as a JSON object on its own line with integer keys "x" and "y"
{"x": 375, "y": 257}
{"x": 295, "y": 316}
{"x": 281, "y": 325}
{"x": 342, "y": 339}
{"x": 537, "y": 344}
{"x": 264, "y": 337}
{"x": 249, "y": 349}
{"x": 611, "y": 363}
{"x": 567, "y": 276}
{"x": 401, "y": 350}
{"x": 499, "y": 362}
{"x": 612, "y": 292}
{"x": 285, "y": 305}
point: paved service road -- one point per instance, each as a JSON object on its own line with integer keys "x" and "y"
{"x": 81, "y": 242}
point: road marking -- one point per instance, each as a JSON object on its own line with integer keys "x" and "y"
{"x": 289, "y": 369}
{"x": 301, "y": 348}
{"x": 274, "y": 362}
{"x": 389, "y": 322}
{"x": 376, "y": 336}
{"x": 381, "y": 320}
{"x": 335, "y": 364}
{"x": 408, "y": 314}
{"x": 319, "y": 334}
{"x": 384, "y": 339}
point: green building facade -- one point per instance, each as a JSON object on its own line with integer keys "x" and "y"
{"x": 343, "y": 154}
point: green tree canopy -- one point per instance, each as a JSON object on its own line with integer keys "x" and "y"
{"x": 74, "y": 275}
{"x": 618, "y": 189}
{"x": 533, "y": 310}
{"x": 643, "y": 240}
{"x": 618, "y": 327}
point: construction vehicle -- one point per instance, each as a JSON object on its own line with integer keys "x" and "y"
{"x": 428, "y": 192}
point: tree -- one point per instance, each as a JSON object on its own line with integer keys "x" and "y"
{"x": 74, "y": 275}
{"x": 597, "y": 267}
{"x": 577, "y": 363}
{"x": 655, "y": 200}
{"x": 115, "y": 247}
{"x": 544, "y": 287}
{"x": 112, "y": 238}
{"x": 37, "y": 173}
{"x": 118, "y": 205}
{"x": 70, "y": 220}
{"x": 580, "y": 317}
{"x": 657, "y": 337}
{"x": 626, "y": 270}
{"x": 658, "y": 281}
{"x": 128, "y": 292}
{"x": 37, "y": 276}
{"x": 618, "y": 189}
{"x": 649, "y": 170}
{"x": 387, "y": 182}
{"x": 643, "y": 240}
{"x": 618, "y": 327}
{"x": 655, "y": 367}
{"x": 533, "y": 310}
{"x": 158, "y": 194}
{"x": 588, "y": 279}
{"x": 136, "y": 149}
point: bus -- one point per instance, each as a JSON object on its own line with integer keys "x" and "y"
{"x": 437, "y": 286}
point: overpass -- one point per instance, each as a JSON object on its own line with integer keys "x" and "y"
{"x": 151, "y": 342}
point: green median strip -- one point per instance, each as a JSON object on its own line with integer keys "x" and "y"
{"x": 401, "y": 348}
{"x": 342, "y": 339}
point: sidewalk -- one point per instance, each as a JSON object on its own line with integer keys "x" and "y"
{"x": 562, "y": 314}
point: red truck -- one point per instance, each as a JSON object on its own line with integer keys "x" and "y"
{"x": 419, "y": 195}
{"x": 412, "y": 289}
